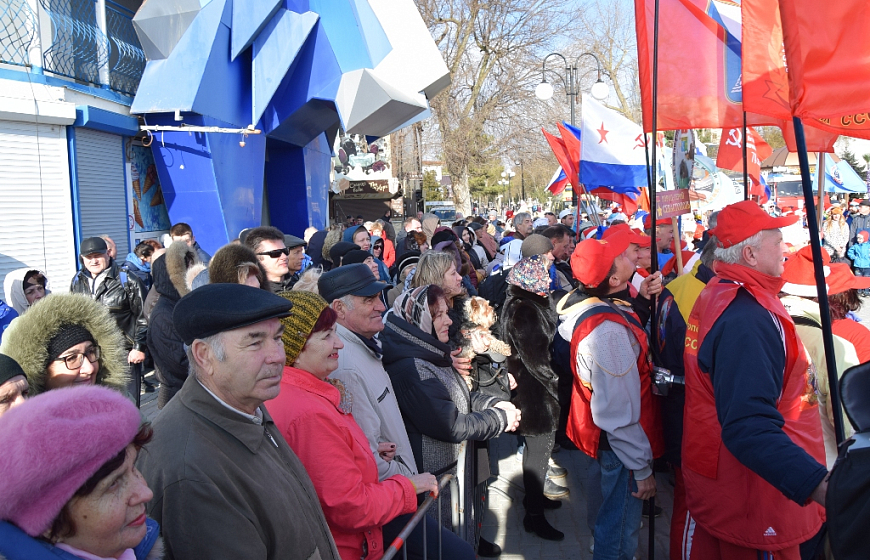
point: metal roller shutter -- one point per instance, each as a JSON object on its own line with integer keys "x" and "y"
{"x": 36, "y": 227}
{"x": 102, "y": 187}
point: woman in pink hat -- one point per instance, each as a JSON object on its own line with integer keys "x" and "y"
{"x": 69, "y": 488}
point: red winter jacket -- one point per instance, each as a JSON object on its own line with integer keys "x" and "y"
{"x": 337, "y": 456}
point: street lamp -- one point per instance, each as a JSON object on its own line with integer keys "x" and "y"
{"x": 544, "y": 91}
{"x": 522, "y": 177}
{"x": 508, "y": 175}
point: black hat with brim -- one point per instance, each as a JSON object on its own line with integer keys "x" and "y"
{"x": 93, "y": 245}
{"x": 215, "y": 308}
{"x": 352, "y": 279}
{"x": 291, "y": 241}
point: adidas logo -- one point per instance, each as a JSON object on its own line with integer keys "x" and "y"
{"x": 770, "y": 532}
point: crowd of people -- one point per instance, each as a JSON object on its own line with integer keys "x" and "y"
{"x": 313, "y": 390}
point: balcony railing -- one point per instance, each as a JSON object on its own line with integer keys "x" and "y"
{"x": 80, "y": 40}
{"x": 17, "y": 31}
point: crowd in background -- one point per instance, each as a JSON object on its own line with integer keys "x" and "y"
{"x": 312, "y": 390}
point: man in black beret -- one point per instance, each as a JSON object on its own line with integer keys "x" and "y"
{"x": 225, "y": 483}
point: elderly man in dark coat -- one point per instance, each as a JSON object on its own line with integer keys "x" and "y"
{"x": 225, "y": 483}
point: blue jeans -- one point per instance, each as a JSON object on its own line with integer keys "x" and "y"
{"x": 618, "y": 524}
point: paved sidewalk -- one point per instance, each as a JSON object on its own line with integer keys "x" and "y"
{"x": 503, "y": 523}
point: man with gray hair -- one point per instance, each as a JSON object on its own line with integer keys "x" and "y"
{"x": 355, "y": 295}
{"x": 226, "y": 484}
{"x": 754, "y": 442}
{"x": 523, "y": 225}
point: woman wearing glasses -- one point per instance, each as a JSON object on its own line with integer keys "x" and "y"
{"x": 67, "y": 340}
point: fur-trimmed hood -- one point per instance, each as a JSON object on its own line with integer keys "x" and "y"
{"x": 26, "y": 340}
{"x": 179, "y": 258}
{"x": 13, "y": 286}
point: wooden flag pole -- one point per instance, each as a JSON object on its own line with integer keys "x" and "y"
{"x": 678, "y": 246}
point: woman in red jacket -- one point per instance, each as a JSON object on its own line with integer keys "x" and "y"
{"x": 313, "y": 414}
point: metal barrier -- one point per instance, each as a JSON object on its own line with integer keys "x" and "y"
{"x": 459, "y": 509}
{"x": 17, "y": 31}
{"x": 399, "y": 542}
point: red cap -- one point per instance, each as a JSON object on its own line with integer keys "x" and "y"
{"x": 842, "y": 280}
{"x": 740, "y": 221}
{"x": 635, "y": 236}
{"x": 647, "y": 222}
{"x": 799, "y": 275}
{"x": 593, "y": 258}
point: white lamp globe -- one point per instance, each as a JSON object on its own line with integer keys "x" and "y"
{"x": 544, "y": 91}
{"x": 600, "y": 91}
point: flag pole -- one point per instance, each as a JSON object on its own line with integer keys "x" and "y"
{"x": 745, "y": 163}
{"x": 654, "y": 251}
{"x": 821, "y": 288}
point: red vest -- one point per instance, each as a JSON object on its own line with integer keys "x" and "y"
{"x": 730, "y": 501}
{"x": 581, "y": 428}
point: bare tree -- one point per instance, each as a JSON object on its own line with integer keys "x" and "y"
{"x": 493, "y": 50}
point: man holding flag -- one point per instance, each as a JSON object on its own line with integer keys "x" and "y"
{"x": 753, "y": 457}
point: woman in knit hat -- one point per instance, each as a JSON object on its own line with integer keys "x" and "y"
{"x": 13, "y": 384}
{"x": 69, "y": 488}
{"x": 314, "y": 415}
{"x": 67, "y": 339}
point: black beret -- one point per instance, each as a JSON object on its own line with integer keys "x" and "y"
{"x": 9, "y": 368}
{"x": 215, "y": 308}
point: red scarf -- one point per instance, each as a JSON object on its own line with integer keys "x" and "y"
{"x": 758, "y": 283}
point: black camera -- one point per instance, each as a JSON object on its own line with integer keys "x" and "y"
{"x": 663, "y": 380}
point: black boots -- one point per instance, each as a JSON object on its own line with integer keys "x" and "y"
{"x": 538, "y": 525}
{"x": 487, "y": 549}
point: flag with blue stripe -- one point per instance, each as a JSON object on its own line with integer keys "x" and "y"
{"x": 613, "y": 148}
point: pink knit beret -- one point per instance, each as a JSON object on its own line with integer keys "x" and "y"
{"x": 52, "y": 444}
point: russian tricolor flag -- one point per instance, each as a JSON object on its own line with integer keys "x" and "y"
{"x": 558, "y": 182}
{"x": 613, "y": 148}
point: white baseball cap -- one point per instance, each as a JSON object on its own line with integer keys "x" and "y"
{"x": 566, "y": 212}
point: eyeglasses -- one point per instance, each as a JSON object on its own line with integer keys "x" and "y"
{"x": 75, "y": 361}
{"x": 276, "y": 253}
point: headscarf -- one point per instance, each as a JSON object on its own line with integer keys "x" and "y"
{"x": 413, "y": 307}
{"x": 532, "y": 275}
{"x": 13, "y": 285}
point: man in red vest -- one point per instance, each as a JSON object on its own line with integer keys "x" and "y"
{"x": 613, "y": 415}
{"x": 753, "y": 458}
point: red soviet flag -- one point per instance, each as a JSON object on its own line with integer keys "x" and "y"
{"x": 817, "y": 53}
{"x": 730, "y": 154}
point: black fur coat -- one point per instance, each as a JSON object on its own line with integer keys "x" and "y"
{"x": 528, "y": 324}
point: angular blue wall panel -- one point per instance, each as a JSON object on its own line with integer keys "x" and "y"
{"x": 345, "y": 33}
{"x": 297, "y": 180}
{"x": 297, "y": 6}
{"x": 249, "y": 18}
{"x": 314, "y": 75}
{"x": 376, "y": 40}
{"x": 208, "y": 180}
{"x": 275, "y": 50}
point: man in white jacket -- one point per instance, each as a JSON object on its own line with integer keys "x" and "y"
{"x": 355, "y": 295}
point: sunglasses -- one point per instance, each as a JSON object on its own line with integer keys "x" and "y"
{"x": 276, "y": 253}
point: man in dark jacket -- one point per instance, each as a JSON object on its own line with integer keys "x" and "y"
{"x": 123, "y": 294}
{"x": 163, "y": 341}
{"x": 226, "y": 485}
